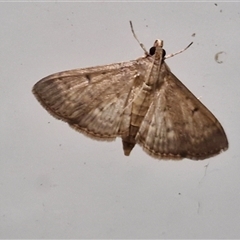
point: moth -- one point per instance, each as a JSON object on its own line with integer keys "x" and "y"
{"x": 141, "y": 101}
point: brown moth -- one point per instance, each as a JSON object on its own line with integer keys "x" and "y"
{"x": 140, "y": 101}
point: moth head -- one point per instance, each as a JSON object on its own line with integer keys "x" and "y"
{"x": 157, "y": 43}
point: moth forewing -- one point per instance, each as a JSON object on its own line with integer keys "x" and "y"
{"x": 178, "y": 125}
{"x": 96, "y": 100}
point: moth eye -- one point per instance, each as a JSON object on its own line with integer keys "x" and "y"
{"x": 164, "y": 53}
{"x": 152, "y": 50}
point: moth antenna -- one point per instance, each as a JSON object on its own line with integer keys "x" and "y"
{"x": 135, "y": 36}
{"x": 173, "y": 54}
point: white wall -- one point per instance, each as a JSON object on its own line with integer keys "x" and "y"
{"x": 56, "y": 183}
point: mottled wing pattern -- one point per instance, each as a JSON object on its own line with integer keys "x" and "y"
{"x": 95, "y": 101}
{"x": 177, "y": 125}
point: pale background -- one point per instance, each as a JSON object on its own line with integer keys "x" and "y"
{"x": 56, "y": 183}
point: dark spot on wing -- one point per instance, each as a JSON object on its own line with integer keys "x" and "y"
{"x": 194, "y": 110}
{"x": 169, "y": 130}
{"x": 88, "y": 77}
